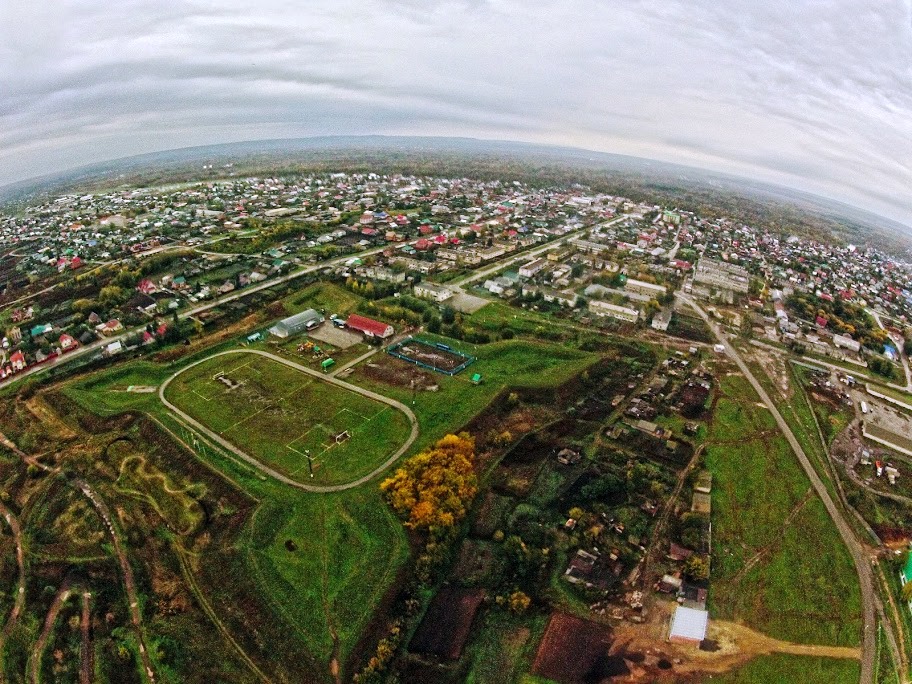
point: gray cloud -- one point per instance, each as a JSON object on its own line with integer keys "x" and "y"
{"x": 810, "y": 95}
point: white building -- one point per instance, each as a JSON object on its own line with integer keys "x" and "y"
{"x": 437, "y": 293}
{"x": 532, "y": 268}
{"x": 846, "y": 342}
{"x": 623, "y": 313}
{"x": 644, "y": 288}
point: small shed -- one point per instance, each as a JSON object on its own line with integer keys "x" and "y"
{"x": 688, "y": 626}
{"x": 327, "y": 363}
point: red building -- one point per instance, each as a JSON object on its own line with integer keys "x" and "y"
{"x": 369, "y": 326}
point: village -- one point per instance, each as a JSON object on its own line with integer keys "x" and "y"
{"x": 601, "y": 494}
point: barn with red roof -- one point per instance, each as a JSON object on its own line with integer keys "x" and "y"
{"x": 369, "y": 326}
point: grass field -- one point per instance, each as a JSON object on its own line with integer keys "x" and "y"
{"x": 279, "y": 415}
{"x": 501, "y": 364}
{"x": 764, "y": 573}
{"x": 346, "y": 550}
{"x": 349, "y": 550}
{"x": 787, "y": 669}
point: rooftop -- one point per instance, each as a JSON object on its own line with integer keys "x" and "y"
{"x": 689, "y": 623}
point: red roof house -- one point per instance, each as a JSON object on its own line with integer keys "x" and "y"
{"x": 17, "y": 361}
{"x": 821, "y": 322}
{"x": 369, "y": 326}
{"x": 67, "y": 342}
{"x": 146, "y": 286}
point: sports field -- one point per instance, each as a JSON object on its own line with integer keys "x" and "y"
{"x": 280, "y": 416}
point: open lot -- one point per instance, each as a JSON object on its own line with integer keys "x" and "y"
{"x": 337, "y": 337}
{"x": 575, "y": 651}
{"x": 281, "y": 416}
{"x": 763, "y": 513}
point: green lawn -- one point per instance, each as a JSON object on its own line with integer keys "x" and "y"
{"x": 349, "y": 550}
{"x": 279, "y": 414}
{"x": 332, "y": 298}
{"x": 781, "y": 668}
{"x": 792, "y": 591}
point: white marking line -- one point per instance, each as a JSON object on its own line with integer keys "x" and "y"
{"x": 277, "y": 402}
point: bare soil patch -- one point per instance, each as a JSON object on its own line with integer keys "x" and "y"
{"x": 575, "y": 651}
{"x": 397, "y": 373}
{"x": 445, "y": 628}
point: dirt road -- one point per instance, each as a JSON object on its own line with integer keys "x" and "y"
{"x": 19, "y": 603}
{"x": 126, "y": 569}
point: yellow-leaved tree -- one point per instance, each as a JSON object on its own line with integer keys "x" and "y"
{"x": 433, "y": 489}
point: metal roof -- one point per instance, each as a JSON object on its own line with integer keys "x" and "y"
{"x": 689, "y": 623}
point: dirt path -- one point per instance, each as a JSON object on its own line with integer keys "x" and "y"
{"x": 658, "y": 534}
{"x": 126, "y": 569}
{"x": 19, "y": 603}
{"x": 334, "y": 668}
{"x": 789, "y": 519}
{"x": 86, "y": 665}
{"x": 736, "y": 645}
{"x": 38, "y": 408}
{"x": 861, "y": 559}
{"x": 187, "y": 572}
{"x": 34, "y": 662}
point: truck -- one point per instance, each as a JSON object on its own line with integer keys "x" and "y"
{"x": 864, "y": 407}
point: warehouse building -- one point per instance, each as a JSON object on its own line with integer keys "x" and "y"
{"x": 369, "y": 326}
{"x": 293, "y": 325}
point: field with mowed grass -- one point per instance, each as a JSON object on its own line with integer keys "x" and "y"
{"x": 279, "y": 415}
{"x": 763, "y": 512}
{"x": 325, "y": 562}
{"x": 319, "y": 565}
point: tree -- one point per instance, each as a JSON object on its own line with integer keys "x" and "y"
{"x": 696, "y": 568}
{"x": 906, "y": 592}
{"x": 519, "y": 602}
{"x": 433, "y": 489}
{"x": 448, "y": 314}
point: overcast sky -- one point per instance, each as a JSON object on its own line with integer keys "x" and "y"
{"x": 813, "y": 95}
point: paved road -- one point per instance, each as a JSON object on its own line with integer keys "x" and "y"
{"x": 862, "y": 562}
{"x": 271, "y": 472}
{"x": 239, "y": 294}
{"x": 524, "y": 255}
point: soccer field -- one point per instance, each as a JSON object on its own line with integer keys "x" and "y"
{"x": 280, "y": 415}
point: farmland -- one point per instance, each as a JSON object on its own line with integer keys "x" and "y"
{"x": 282, "y": 416}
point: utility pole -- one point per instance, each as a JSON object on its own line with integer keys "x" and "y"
{"x": 309, "y": 462}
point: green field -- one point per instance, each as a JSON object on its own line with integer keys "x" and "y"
{"x": 279, "y": 415}
{"x": 787, "y": 669}
{"x": 764, "y": 511}
{"x": 513, "y": 363}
